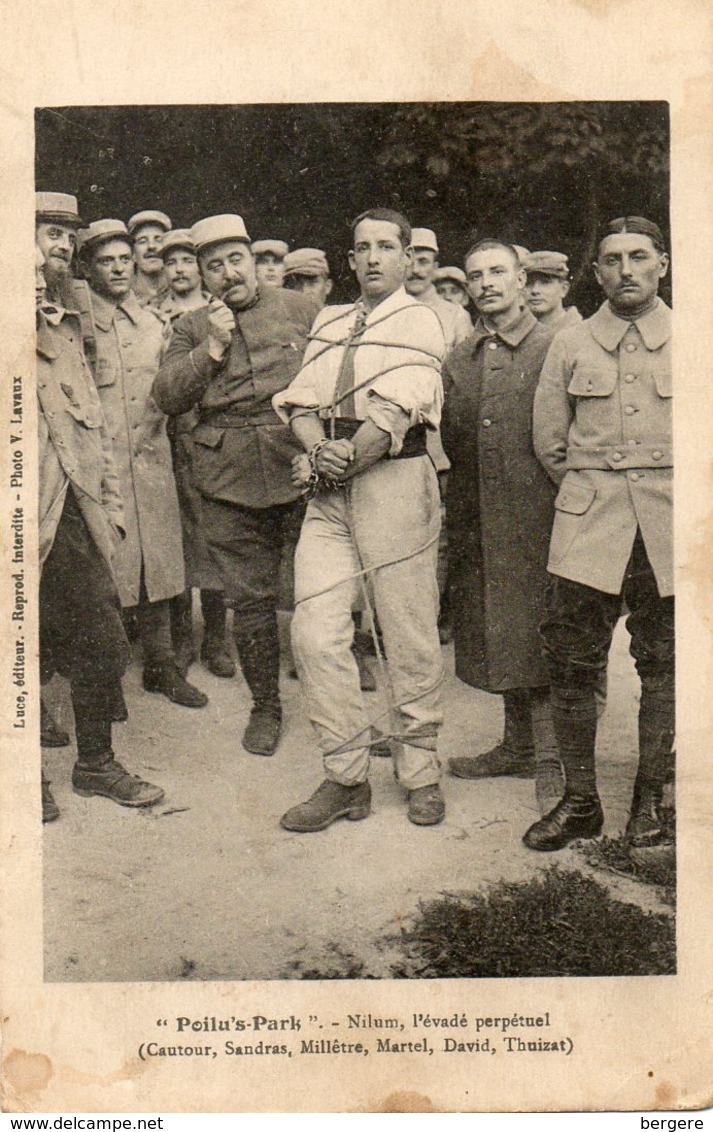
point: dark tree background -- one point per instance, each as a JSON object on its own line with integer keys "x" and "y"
{"x": 541, "y": 174}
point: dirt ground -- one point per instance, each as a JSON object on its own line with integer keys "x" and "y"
{"x": 208, "y": 886}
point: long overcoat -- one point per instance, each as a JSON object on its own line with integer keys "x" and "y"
{"x": 499, "y": 505}
{"x": 130, "y": 343}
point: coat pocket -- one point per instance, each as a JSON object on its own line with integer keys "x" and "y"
{"x": 592, "y": 382}
{"x": 572, "y": 503}
{"x": 664, "y": 382}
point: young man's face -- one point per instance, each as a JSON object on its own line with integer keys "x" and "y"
{"x": 629, "y": 268}
{"x": 495, "y": 280}
{"x": 421, "y": 270}
{"x": 181, "y": 268}
{"x": 228, "y": 271}
{"x": 452, "y": 292}
{"x": 270, "y": 269}
{"x": 147, "y": 249}
{"x": 318, "y": 286}
{"x": 379, "y": 259}
{"x": 109, "y": 269}
{"x": 544, "y": 294}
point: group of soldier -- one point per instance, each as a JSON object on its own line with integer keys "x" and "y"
{"x": 207, "y": 422}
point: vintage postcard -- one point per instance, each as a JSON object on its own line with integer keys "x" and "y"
{"x": 351, "y": 762}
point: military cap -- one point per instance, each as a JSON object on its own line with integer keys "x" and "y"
{"x": 177, "y": 238}
{"x": 521, "y": 253}
{"x": 58, "y": 207}
{"x": 306, "y": 261}
{"x": 218, "y": 229}
{"x": 637, "y": 224}
{"x": 547, "y": 263}
{"x": 277, "y": 247}
{"x": 100, "y": 231}
{"x": 149, "y": 216}
{"x": 453, "y": 273}
{"x": 424, "y": 238}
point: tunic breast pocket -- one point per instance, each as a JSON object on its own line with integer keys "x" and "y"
{"x": 663, "y": 380}
{"x": 105, "y": 373}
{"x": 588, "y": 381}
{"x": 84, "y": 415}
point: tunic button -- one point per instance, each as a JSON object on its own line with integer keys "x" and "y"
{"x": 630, "y": 347}
{"x": 629, "y": 410}
{"x": 618, "y": 456}
{"x": 634, "y": 476}
{"x": 657, "y": 455}
{"x": 487, "y": 422}
{"x": 492, "y": 345}
{"x": 630, "y": 377}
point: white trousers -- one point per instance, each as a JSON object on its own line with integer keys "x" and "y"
{"x": 387, "y": 521}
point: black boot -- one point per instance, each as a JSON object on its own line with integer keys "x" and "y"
{"x": 214, "y": 653}
{"x": 579, "y": 814}
{"x": 515, "y": 756}
{"x": 257, "y": 642}
{"x": 646, "y": 825}
{"x": 50, "y": 809}
{"x": 96, "y": 771}
{"x": 51, "y": 735}
{"x": 184, "y": 646}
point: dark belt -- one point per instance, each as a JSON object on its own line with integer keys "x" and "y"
{"x": 414, "y": 441}
{"x": 226, "y": 419}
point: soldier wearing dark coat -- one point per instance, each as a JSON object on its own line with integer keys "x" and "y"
{"x": 499, "y": 514}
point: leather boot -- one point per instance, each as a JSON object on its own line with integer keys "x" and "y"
{"x": 549, "y": 776}
{"x": 214, "y": 653}
{"x": 50, "y": 809}
{"x": 331, "y": 800}
{"x": 645, "y": 826}
{"x": 51, "y": 735}
{"x": 257, "y": 642}
{"x": 515, "y": 756}
{"x": 166, "y": 679}
{"x": 96, "y": 771}
{"x": 575, "y": 816}
{"x": 184, "y": 647}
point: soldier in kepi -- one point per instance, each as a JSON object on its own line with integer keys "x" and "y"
{"x": 546, "y": 289}
{"x": 186, "y": 294}
{"x": 81, "y": 522}
{"x": 147, "y": 230}
{"x": 228, "y": 360}
{"x": 130, "y": 342}
{"x": 270, "y": 262}
{"x": 602, "y": 429}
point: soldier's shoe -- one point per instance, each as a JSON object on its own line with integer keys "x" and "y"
{"x": 216, "y": 658}
{"x": 111, "y": 780}
{"x": 50, "y": 809}
{"x": 167, "y": 680}
{"x": 331, "y": 800}
{"x": 262, "y": 733}
{"x": 502, "y": 761}
{"x": 50, "y": 734}
{"x": 573, "y": 817}
{"x": 645, "y": 825}
{"x": 426, "y": 805}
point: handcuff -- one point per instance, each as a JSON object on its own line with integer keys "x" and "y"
{"x": 318, "y": 481}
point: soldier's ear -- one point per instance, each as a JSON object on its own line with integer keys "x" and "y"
{"x": 352, "y": 260}
{"x": 664, "y": 261}
{"x": 597, "y": 274}
{"x": 328, "y": 288}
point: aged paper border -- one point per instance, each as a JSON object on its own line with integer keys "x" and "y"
{"x": 640, "y": 1043}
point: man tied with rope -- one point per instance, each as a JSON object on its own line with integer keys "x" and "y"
{"x": 368, "y": 389}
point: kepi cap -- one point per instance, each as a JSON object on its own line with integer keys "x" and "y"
{"x": 306, "y": 261}
{"x": 60, "y": 207}
{"x": 278, "y": 247}
{"x": 547, "y": 263}
{"x": 149, "y": 216}
{"x": 177, "y": 238}
{"x": 217, "y": 229}
{"x": 521, "y": 252}
{"x": 424, "y": 238}
{"x": 455, "y": 274}
{"x": 100, "y": 231}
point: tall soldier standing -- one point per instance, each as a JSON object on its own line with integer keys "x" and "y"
{"x": 602, "y": 429}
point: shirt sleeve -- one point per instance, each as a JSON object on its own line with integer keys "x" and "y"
{"x": 553, "y": 411}
{"x": 412, "y": 380}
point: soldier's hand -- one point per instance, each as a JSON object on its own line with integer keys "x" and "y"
{"x": 301, "y": 470}
{"x": 221, "y": 324}
{"x": 334, "y": 458}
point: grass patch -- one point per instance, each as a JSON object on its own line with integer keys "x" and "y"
{"x": 559, "y": 923}
{"x": 336, "y": 963}
{"x": 655, "y": 867}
